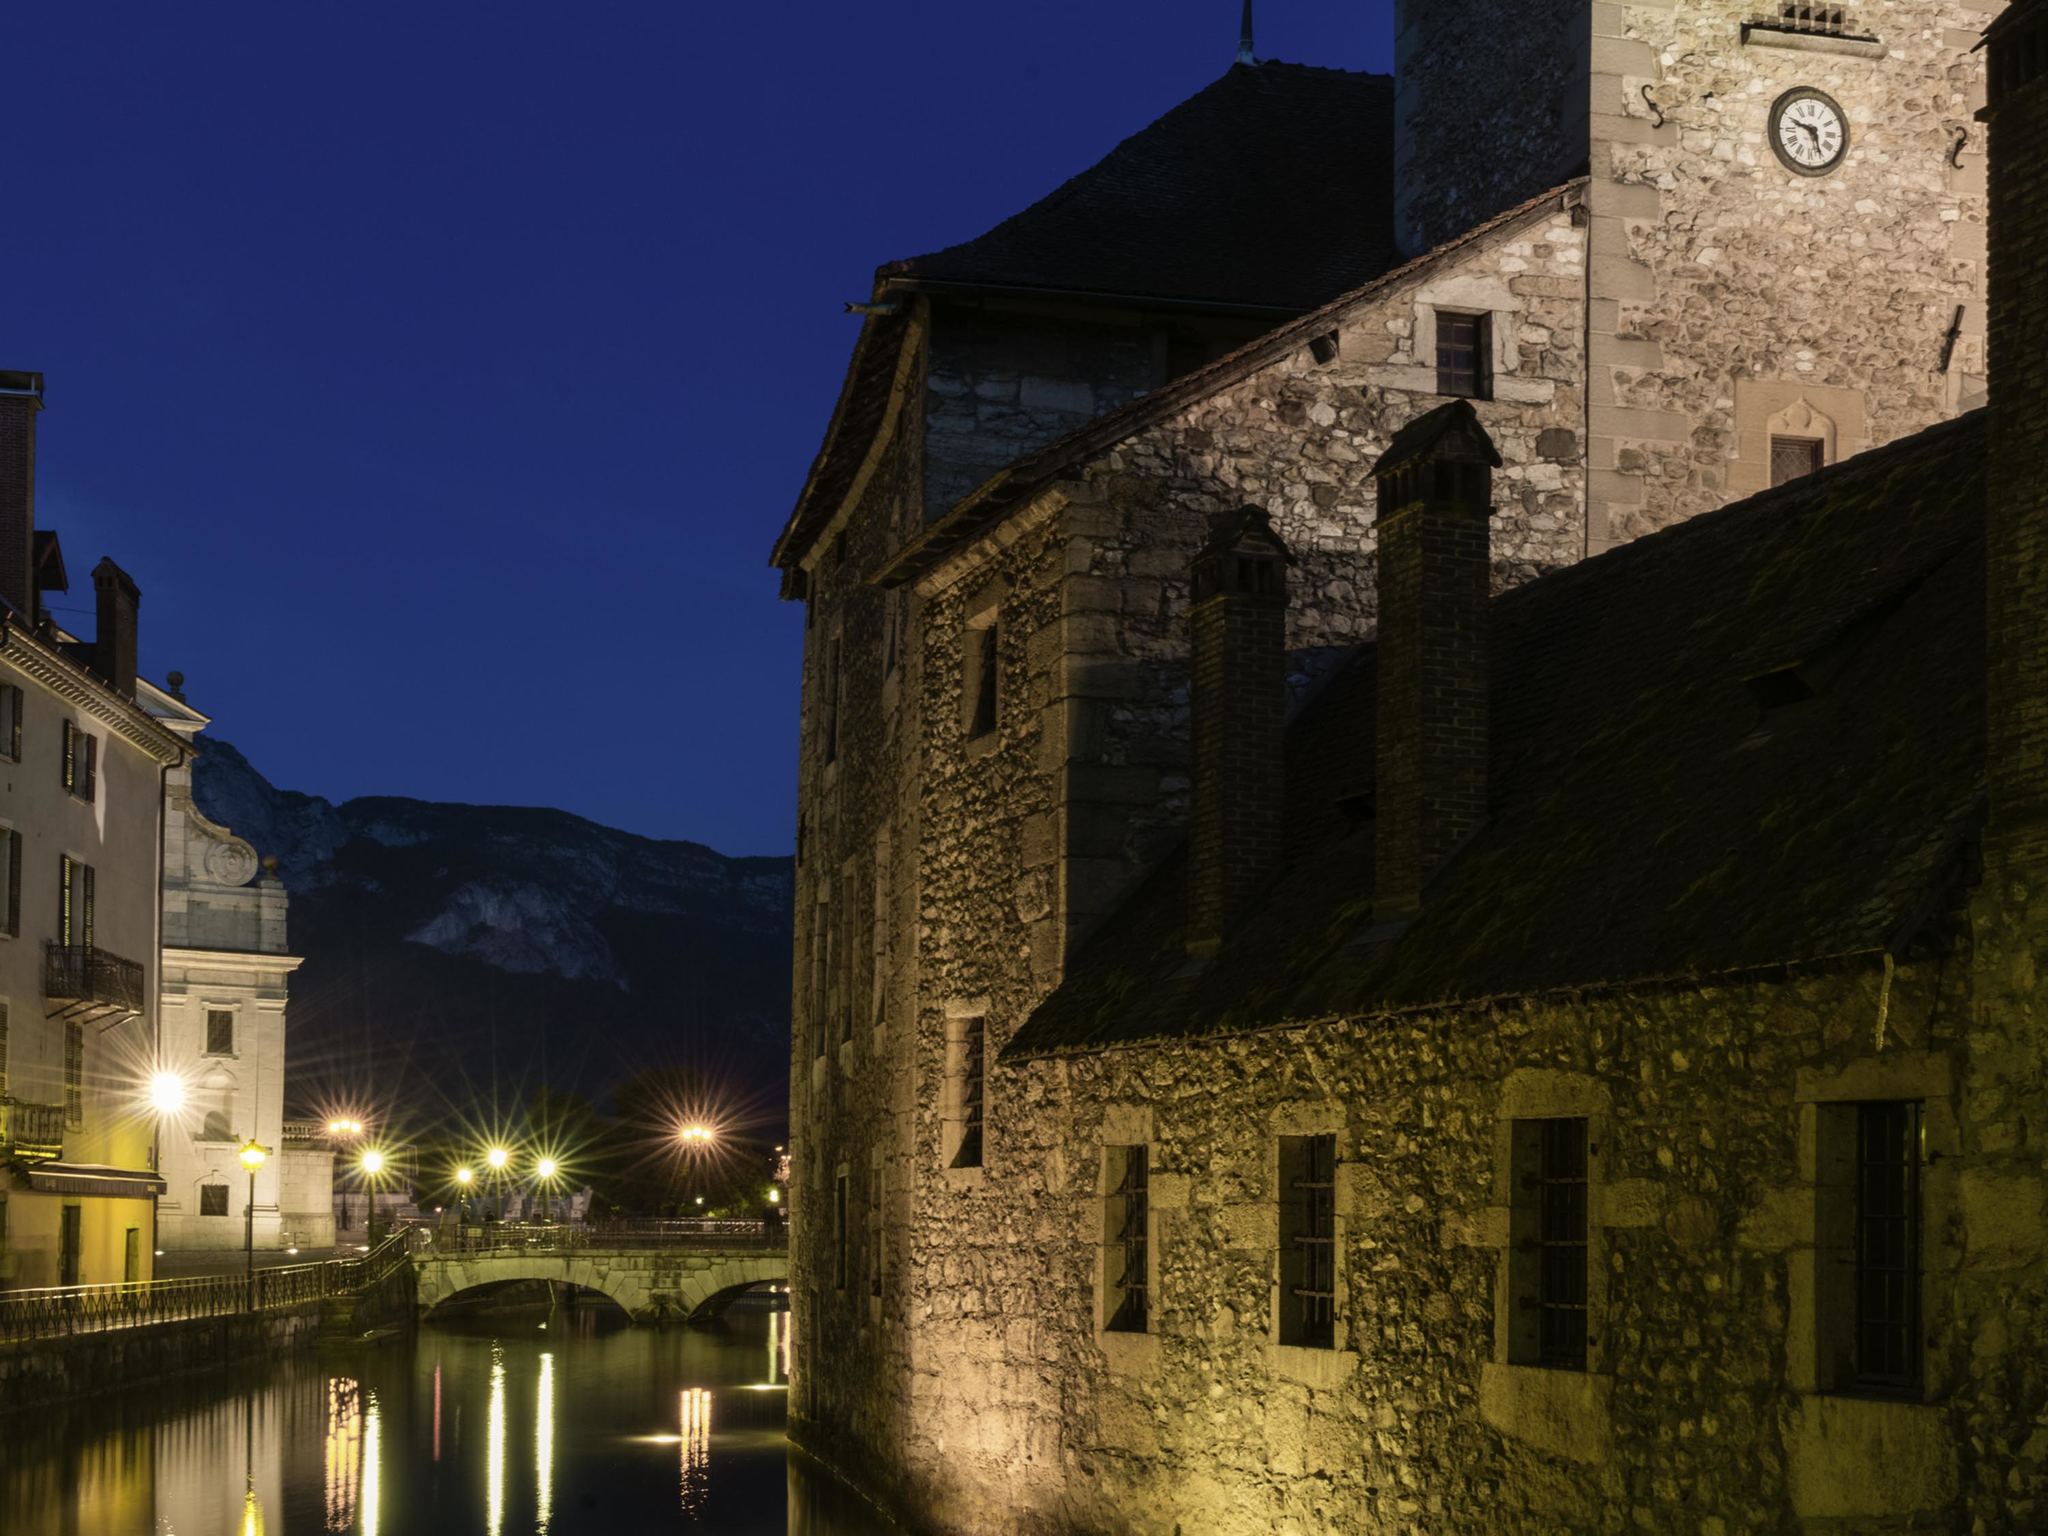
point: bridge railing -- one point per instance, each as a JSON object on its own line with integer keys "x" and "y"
{"x": 54, "y": 1311}
{"x": 602, "y": 1236}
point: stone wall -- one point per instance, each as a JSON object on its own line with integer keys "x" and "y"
{"x": 44, "y": 1371}
{"x": 1727, "y": 288}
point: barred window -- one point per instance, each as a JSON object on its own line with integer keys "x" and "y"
{"x": 1549, "y": 1233}
{"x": 1127, "y": 1248}
{"x": 213, "y": 1199}
{"x": 966, "y": 1066}
{"x": 1308, "y": 1241}
{"x": 1464, "y": 351}
{"x": 220, "y": 1032}
{"x": 1887, "y": 1245}
{"x": 1793, "y": 458}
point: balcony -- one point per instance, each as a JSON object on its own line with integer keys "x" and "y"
{"x": 31, "y": 1131}
{"x": 91, "y": 980}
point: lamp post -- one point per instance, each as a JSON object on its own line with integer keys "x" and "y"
{"x": 696, "y": 1138}
{"x": 253, "y": 1154}
{"x": 498, "y": 1157}
{"x": 544, "y": 1176}
{"x": 343, "y": 1128}
{"x": 372, "y": 1164}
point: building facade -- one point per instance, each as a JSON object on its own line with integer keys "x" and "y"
{"x": 1158, "y": 1163}
{"x": 226, "y": 977}
{"x": 82, "y": 770}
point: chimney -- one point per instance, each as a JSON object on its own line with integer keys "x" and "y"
{"x": 1238, "y": 699}
{"x": 2016, "y": 476}
{"x": 1435, "y": 585}
{"x": 116, "y": 598}
{"x": 21, "y": 397}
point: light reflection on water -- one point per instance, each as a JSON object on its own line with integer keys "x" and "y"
{"x": 626, "y": 1431}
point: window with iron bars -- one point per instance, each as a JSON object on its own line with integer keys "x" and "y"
{"x": 1128, "y": 1254}
{"x": 968, "y": 1080}
{"x": 1548, "y": 1233}
{"x": 1308, "y": 1241}
{"x": 1887, "y": 1246}
{"x": 1809, "y": 20}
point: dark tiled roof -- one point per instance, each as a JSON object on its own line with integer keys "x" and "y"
{"x": 1661, "y": 808}
{"x": 1271, "y": 187}
{"x": 1016, "y": 483}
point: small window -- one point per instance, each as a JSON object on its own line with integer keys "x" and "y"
{"x": 74, "y": 1075}
{"x": 81, "y": 762}
{"x": 220, "y": 1032}
{"x": 1548, "y": 1244}
{"x": 1126, "y": 1247}
{"x": 74, "y": 903}
{"x": 1308, "y": 1241}
{"x": 979, "y": 691}
{"x": 10, "y": 722}
{"x": 1793, "y": 458}
{"x": 875, "y": 1230}
{"x": 1868, "y": 1302}
{"x": 832, "y": 685}
{"x": 213, "y": 1199}
{"x": 1464, "y": 355}
{"x": 965, "y": 1065}
{"x": 892, "y": 632}
{"x": 839, "y": 1264}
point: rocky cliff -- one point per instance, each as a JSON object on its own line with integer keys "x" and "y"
{"x": 449, "y": 948}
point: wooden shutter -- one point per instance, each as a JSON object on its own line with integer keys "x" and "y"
{"x": 14, "y": 884}
{"x": 85, "y": 870}
{"x": 92, "y": 766}
{"x": 64, "y": 899}
{"x": 70, "y": 755}
{"x": 14, "y": 703}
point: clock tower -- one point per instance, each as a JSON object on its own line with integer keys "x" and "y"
{"x": 1787, "y": 218}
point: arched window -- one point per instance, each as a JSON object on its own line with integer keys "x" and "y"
{"x": 217, "y": 1107}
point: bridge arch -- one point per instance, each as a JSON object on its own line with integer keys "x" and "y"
{"x": 647, "y": 1285}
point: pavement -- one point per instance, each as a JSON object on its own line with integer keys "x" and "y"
{"x": 179, "y": 1264}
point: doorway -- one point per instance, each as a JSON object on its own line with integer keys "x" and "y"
{"x": 68, "y": 1242}
{"x": 131, "y": 1256}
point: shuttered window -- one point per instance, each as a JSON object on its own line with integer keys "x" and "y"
{"x": 10, "y": 722}
{"x": 74, "y": 1074}
{"x": 10, "y": 872}
{"x": 75, "y": 903}
{"x": 81, "y": 762}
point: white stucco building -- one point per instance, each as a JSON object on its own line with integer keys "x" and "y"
{"x": 226, "y": 974}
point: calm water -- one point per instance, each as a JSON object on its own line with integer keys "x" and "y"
{"x": 499, "y": 1429}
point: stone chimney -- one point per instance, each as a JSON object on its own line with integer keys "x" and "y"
{"x": 117, "y": 599}
{"x": 21, "y": 397}
{"x": 2016, "y": 518}
{"x": 1238, "y": 699}
{"x": 1435, "y": 587}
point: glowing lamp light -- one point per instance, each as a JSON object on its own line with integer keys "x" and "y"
{"x": 545, "y": 1168}
{"x": 497, "y": 1157}
{"x": 253, "y": 1155}
{"x": 167, "y": 1093}
{"x": 344, "y": 1127}
{"x": 700, "y": 1199}
{"x": 775, "y": 1197}
{"x": 373, "y": 1161}
{"x": 695, "y": 1135}
{"x": 463, "y": 1176}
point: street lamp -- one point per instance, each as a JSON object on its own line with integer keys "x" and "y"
{"x": 372, "y": 1164}
{"x": 498, "y": 1157}
{"x": 544, "y": 1171}
{"x": 253, "y": 1154}
{"x": 167, "y": 1093}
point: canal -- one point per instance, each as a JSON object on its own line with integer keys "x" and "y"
{"x": 495, "y": 1426}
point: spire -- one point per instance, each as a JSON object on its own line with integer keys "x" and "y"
{"x": 1244, "y": 37}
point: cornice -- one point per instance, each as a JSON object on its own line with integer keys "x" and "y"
{"x": 72, "y": 683}
{"x": 240, "y": 959}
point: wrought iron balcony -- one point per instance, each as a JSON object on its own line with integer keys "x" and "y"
{"x": 31, "y": 1130}
{"x": 87, "y": 975}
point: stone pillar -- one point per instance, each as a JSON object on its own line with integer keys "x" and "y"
{"x": 1429, "y": 792}
{"x": 1237, "y": 698}
{"x": 2017, "y": 475}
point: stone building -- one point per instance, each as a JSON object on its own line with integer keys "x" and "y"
{"x": 82, "y": 768}
{"x": 226, "y": 976}
{"x": 1319, "y": 1006}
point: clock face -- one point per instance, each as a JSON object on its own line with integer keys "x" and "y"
{"x": 1809, "y": 131}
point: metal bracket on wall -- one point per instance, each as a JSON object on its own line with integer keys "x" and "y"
{"x": 1651, "y": 102}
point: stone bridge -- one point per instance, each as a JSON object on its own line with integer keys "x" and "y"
{"x": 651, "y": 1276}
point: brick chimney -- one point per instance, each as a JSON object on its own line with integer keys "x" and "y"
{"x": 1238, "y": 699}
{"x": 2017, "y": 474}
{"x": 1435, "y": 586}
{"x": 117, "y": 599}
{"x": 21, "y": 398}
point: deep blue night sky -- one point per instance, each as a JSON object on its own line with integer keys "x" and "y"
{"x": 443, "y": 372}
